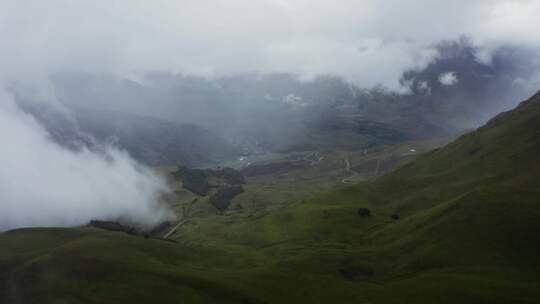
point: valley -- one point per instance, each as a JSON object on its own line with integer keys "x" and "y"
{"x": 456, "y": 223}
{"x": 269, "y": 152}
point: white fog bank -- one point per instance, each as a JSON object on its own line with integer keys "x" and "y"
{"x": 43, "y": 184}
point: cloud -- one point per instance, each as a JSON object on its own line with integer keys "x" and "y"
{"x": 367, "y": 42}
{"x": 448, "y": 78}
{"x": 44, "y": 184}
{"x": 424, "y": 87}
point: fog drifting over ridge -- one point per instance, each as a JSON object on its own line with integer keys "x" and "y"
{"x": 44, "y": 184}
{"x": 365, "y": 42}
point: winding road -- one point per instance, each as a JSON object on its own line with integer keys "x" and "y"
{"x": 354, "y": 174}
{"x": 316, "y": 161}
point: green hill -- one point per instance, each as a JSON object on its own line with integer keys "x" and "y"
{"x": 467, "y": 232}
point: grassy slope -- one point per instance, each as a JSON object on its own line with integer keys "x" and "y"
{"x": 468, "y": 234}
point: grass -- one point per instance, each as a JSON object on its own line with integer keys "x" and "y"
{"x": 468, "y": 233}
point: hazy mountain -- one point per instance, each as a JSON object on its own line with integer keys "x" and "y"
{"x": 150, "y": 140}
{"x": 455, "y": 92}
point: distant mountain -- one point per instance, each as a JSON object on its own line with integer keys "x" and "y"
{"x": 266, "y": 113}
{"x": 457, "y": 90}
{"x": 150, "y": 140}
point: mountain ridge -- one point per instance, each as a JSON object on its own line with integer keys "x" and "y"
{"x": 148, "y": 139}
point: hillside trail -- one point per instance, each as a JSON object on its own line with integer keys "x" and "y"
{"x": 173, "y": 230}
{"x": 353, "y": 174}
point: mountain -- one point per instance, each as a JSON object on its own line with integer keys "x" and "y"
{"x": 260, "y": 113}
{"x": 265, "y": 113}
{"x": 150, "y": 140}
{"x": 456, "y": 225}
{"x": 459, "y": 90}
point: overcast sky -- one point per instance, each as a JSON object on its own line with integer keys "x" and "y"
{"x": 365, "y": 41}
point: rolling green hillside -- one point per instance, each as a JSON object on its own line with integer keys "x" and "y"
{"x": 468, "y": 232}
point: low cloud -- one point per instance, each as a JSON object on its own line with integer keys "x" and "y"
{"x": 44, "y": 184}
{"x": 448, "y": 78}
